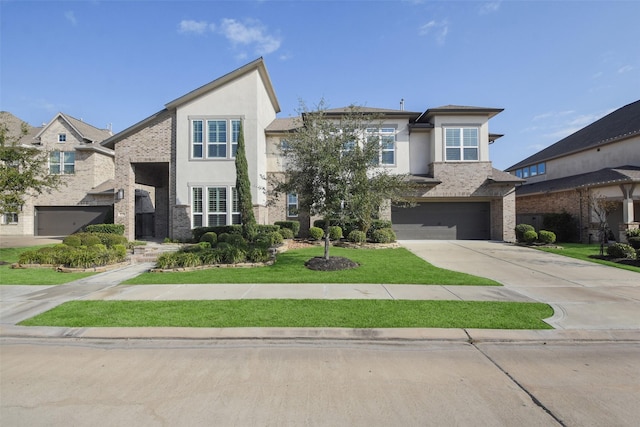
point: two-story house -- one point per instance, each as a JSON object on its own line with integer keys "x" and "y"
{"x": 599, "y": 162}
{"x": 85, "y": 195}
{"x": 186, "y": 153}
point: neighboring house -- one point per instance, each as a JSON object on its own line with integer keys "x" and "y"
{"x": 185, "y": 155}
{"x": 87, "y": 169}
{"x": 598, "y": 162}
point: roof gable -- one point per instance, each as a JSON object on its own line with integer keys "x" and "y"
{"x": 258, "y": 65}
{"x": 86, "y": 131}
{"x": 620, "y": 124}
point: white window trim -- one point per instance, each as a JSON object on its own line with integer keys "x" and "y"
{"x": 62, "y": 137}
{"x": 231, "y": 143}
{"x": 289, "y": 205}
{"x": 461, "y": 147}
{"x": 62, "y": 163}
{"x": 380, "y": 132}
{"x": 15, "y": 218}
{"x": 231, "y": 204}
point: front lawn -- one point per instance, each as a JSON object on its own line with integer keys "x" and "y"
{"x": 585, "y": 253}
{"x": 31, "y": 276}
{"x": 297, "y": 313}
{"x": 391, "y": 266}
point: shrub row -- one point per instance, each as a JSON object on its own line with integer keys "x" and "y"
{"x": 525, "y": 233}
{"x": 198, "y": 232}
{"x": 294, "y": 226}
{"x": 348, "y": 226}
{"x": 197, "y": 255}
{"x": 91, "y": 239}
{"x": 75, "y": 257}
{"x": 105, "y": 228}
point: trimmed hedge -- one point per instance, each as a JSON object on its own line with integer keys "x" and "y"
{"x": 383, "y": 235}
{"x": 621, "y": 250}
{"x": 286, "y": 233}
{"x": 521, "y": 229}
{"x": 335, "y": 232}
{"x": 634, "y": 242}
{"x": 547, "y": 237}
{"x": 229, "y": 229}
{"x": 75, "y": 257}
{"x": 105, "y": 228}
{"x": 210, "y": 237}
{"x": 530, "y": 236}
{"x": 316, "y": 233}
{"x": 357, "y": 236}
{"x": 294, "y": 226}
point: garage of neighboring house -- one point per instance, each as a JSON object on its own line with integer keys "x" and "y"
{"x": 443, "y": 221}
{"x": 65, "y": 220}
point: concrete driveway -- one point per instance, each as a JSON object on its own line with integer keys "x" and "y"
{"x": 584, "y": 295}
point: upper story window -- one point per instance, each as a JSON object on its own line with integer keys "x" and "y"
{"x": 62, "y": 162}
{"x": 387, "y": 140}
{"x": 461, "y": 144}
{"x": 533, "y": 170}
{"x": 219, "y": 136}
{"x": 62, "y": 137}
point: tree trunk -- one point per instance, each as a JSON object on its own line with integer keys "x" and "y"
{"x": 326, "y": 239}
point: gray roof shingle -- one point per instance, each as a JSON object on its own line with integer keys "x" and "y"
{"x": 618, "y": 175}
{"x": 620, "y": 124}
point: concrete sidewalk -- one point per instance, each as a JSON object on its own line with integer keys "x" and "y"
{"x": 590, "y": 301}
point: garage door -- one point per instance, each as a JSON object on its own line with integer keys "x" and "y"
{"x": 443, "y": 221}
{"x": 65, "y": 220}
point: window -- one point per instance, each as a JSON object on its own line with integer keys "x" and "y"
{"x": 62, "y": 137}
{"x": 219, "y": 135}
{"x": 461, "y": 144}
{"x": 533, "y": 170}
{"x": 210, "y": 206}
{"x": 10, "y": 218}
{"x": 196, "y": 206}
{"x": 292, "y": 204}
{"x": 216, "y": 138}
{"x": 197, "y": 139}
{"x": 62, "y": 162}
{"x": 235, "y": 207}
{"x": 217, "y": 206}
{"x": 542, "y": 168}
{"x": 387, "y": 140}
{"x": 235, "y": 134}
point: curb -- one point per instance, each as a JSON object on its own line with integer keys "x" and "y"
{"x": 330, "y": 334}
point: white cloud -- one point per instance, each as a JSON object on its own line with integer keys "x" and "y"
{"x": 550, "y": 114}
{"x": 250, "y": 33}
{"x": 71, "y": 17}
{"x": 490, "y": 7}
{"x": 625, "y": 69}
{"x": 196, "y": 27}
{"x": 438, "y": 28}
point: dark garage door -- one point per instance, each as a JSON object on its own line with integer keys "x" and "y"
{"x": 443, "y": 221}
{"x": 65, "y": 220}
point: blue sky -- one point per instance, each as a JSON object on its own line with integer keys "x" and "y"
{"x": 554, "y": 66}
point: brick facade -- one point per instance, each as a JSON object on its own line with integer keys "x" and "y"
{"x": 145, "y": 156}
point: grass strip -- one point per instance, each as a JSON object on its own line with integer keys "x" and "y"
{"x": 32, "y": 276}
{"x": 388, "y": 266}
{"x": 297, "y": 313}
{"x": 584, "y": 252}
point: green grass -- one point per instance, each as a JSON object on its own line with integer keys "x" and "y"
{"x": 297, "y": 313}
{"x": 392, "y": 266}
{"x": 584, "y": 251}
{"x": 31, "y": 276}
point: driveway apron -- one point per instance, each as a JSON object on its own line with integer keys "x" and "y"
{"x": 584, "y": 295}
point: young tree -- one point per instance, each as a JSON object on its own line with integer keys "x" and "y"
{"x": 23, "y": 170}
{"x": 243, "y": 189}
{"x": 602, "y": 207}
{"x": 332, "y": 164}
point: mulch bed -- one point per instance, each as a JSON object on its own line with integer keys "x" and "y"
{"x": 625, "y": 261}
{"x": 334, "y": 263}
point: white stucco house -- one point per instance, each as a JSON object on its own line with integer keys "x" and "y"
{"x": 185, "y": 153}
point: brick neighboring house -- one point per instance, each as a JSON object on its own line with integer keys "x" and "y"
{"x": 185, "y": 155}
{"x": 87, "y": 169}
{"x": 600, "y": 161}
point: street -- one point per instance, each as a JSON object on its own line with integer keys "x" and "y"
{"x": 48, "y": 381}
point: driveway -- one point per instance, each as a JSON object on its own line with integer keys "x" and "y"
{"x": 584, "y": 295}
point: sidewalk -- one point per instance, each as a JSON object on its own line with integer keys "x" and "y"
{"x": 591, "y": 302}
